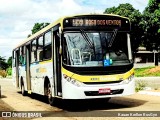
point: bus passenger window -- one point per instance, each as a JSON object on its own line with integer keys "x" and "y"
{"x": 47, "y": 51}
{"x": 13, "y": 59}
{"x": 47, "y": 38}
{"x": 22, "y": 56}
{"x": 47, "y": 46}
{"x": 33, "y": 51}
{"x": 40, "y": 49}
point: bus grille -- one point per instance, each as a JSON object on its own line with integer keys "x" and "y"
{"x": 111, "y": 82}
{"x": 95, "y": 93}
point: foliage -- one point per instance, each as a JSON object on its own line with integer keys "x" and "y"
{"x": 3, "y": 73}
{"x": 28, "y": 35}
{"x": 3, "y": 64}
{"x": 151, "y": 25}
{"x": 9, "y": 71}
{"x": 38, "y": 26}
{"x": 9, "y": 62}
{"x": 5, "y": 67}
{"x": 140, "y": 72}
{"x": 135, "y": 17}
{"x": 144, "y": 72}
{"x": 140, "y": 85}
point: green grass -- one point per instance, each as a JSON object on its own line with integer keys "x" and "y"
{"x": 140, "y": 85}
{"x": 142, "y": 72}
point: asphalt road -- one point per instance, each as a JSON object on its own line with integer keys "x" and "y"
{"x": 136, "y": 104}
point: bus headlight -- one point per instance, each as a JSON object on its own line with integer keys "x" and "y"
{"x": 73, "y": 81}
{"x": 128, "y": 80}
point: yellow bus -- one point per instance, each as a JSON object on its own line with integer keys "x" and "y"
{"x": 77, "y": 57}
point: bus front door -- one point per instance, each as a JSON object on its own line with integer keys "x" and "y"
{"x": 57, "y": 65}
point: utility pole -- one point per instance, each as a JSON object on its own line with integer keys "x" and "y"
{"x": 155, "y": 54}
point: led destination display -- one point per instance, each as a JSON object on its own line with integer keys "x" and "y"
{"x": 97, "y": 22}
{"x": 93, "y": 22}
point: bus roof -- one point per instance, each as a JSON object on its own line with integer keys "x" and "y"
{"x": 59, "y": 21}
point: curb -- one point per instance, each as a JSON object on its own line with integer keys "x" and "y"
{"x": 150, "y": 78}
{"x": 149, "y": 93}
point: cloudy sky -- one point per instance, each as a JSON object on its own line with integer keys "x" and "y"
{"x": 17, "y": 17}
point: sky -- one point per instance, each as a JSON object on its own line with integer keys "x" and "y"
{"x": 17, "y": 17}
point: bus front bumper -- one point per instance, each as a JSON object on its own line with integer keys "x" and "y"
{"x": 70, "y": 91}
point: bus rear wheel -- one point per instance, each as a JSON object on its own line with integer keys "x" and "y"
{"x": 51, "y": 99}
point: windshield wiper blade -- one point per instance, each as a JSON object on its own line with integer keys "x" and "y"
{"x": 85, "y": 36}
{"x": 113, "y": 37}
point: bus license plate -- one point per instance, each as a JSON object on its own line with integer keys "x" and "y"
{"x": 105, "y": 90}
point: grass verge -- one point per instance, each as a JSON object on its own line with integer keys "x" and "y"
{"x": 147, "y": 71}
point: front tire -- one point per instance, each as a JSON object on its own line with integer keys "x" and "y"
{"x": 105, "y": 99}
{"x": 51, "y": 99}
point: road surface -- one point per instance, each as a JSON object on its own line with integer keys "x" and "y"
{"x": 72, "y": 110}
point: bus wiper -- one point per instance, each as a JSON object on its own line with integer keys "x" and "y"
{"x": 85, "y": 36}
{"x": 113, "y": 37}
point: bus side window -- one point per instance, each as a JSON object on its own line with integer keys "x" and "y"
{"x": 47, "y": 46}
{"x": 22, "y": 56}
{"x": 13, "y": 59}
{"x": 47, "y": 51}
{"x": 18, "y": 55}
{"x": 33, "y": 51}
{"x": 40, "y": 49}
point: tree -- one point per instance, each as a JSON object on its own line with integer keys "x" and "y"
{"x": 3, "y": 64}
{"x": 38, "y": 26}
{"x": 135, "y": 17}
{"x": 9, "y": 62}
{"x": 151, "y": 23}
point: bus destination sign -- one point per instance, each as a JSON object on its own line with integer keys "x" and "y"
{"x": 95, "y": 22}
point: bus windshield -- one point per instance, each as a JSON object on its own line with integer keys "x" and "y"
{"x": 93, "y": 48}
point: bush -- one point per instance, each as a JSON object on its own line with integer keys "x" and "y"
{"x": 3, "y": 73}
{"x": 140, "y": 85}
{"x": 9, "y": 71}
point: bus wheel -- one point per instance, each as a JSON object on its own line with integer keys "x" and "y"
{"x": 106, "y": 99}
{"x": 23, "y": 90}
{"x": 51, "y": 100}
